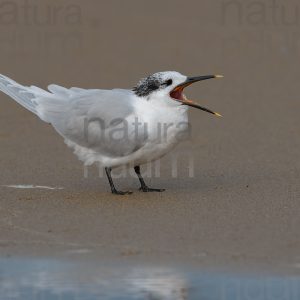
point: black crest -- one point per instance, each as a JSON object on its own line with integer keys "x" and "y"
{"x": 147, "y": 85}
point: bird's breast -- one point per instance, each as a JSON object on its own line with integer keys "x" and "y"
{"x": 166, "y": 125}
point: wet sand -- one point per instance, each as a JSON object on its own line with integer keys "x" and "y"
{"x": 241, "y": 205}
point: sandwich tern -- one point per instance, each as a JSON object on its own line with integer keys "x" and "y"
{"x": 117, "y": 127}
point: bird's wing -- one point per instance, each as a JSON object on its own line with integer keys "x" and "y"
{"x": 101, "y": 120}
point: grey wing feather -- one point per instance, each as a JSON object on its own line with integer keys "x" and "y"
{"x": 88, "y": 118}
{"x": 102, "y": 120}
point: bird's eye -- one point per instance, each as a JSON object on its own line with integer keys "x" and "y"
{"x": 168, "y": 82}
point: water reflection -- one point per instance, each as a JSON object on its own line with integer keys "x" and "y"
{"x": 53, "y": 280}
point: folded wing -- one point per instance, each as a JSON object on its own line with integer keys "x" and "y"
{"x": 103, "y": 121}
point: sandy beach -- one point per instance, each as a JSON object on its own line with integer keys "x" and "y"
{"x": 241, "y": 202}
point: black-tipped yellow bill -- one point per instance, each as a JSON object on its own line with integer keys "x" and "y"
{"x": 177, "y": 92}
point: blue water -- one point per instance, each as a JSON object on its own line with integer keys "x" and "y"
{"x": 40, "y": 279}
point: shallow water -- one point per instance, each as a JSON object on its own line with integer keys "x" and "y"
{"x": 49, "y": 279}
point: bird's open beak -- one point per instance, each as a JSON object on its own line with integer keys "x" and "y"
{"x": 177, "y": 92}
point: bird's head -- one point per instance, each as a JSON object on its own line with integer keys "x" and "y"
{"x": 170, "y": 85}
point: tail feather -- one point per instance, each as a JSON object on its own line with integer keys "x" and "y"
{"x": 28, "y": 97}
{"x": 25, "y": 96}
{"x": 45, "y": 104}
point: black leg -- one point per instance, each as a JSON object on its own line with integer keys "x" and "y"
{"x": 112, "y": 186}
{"x": 144, "y": 187}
